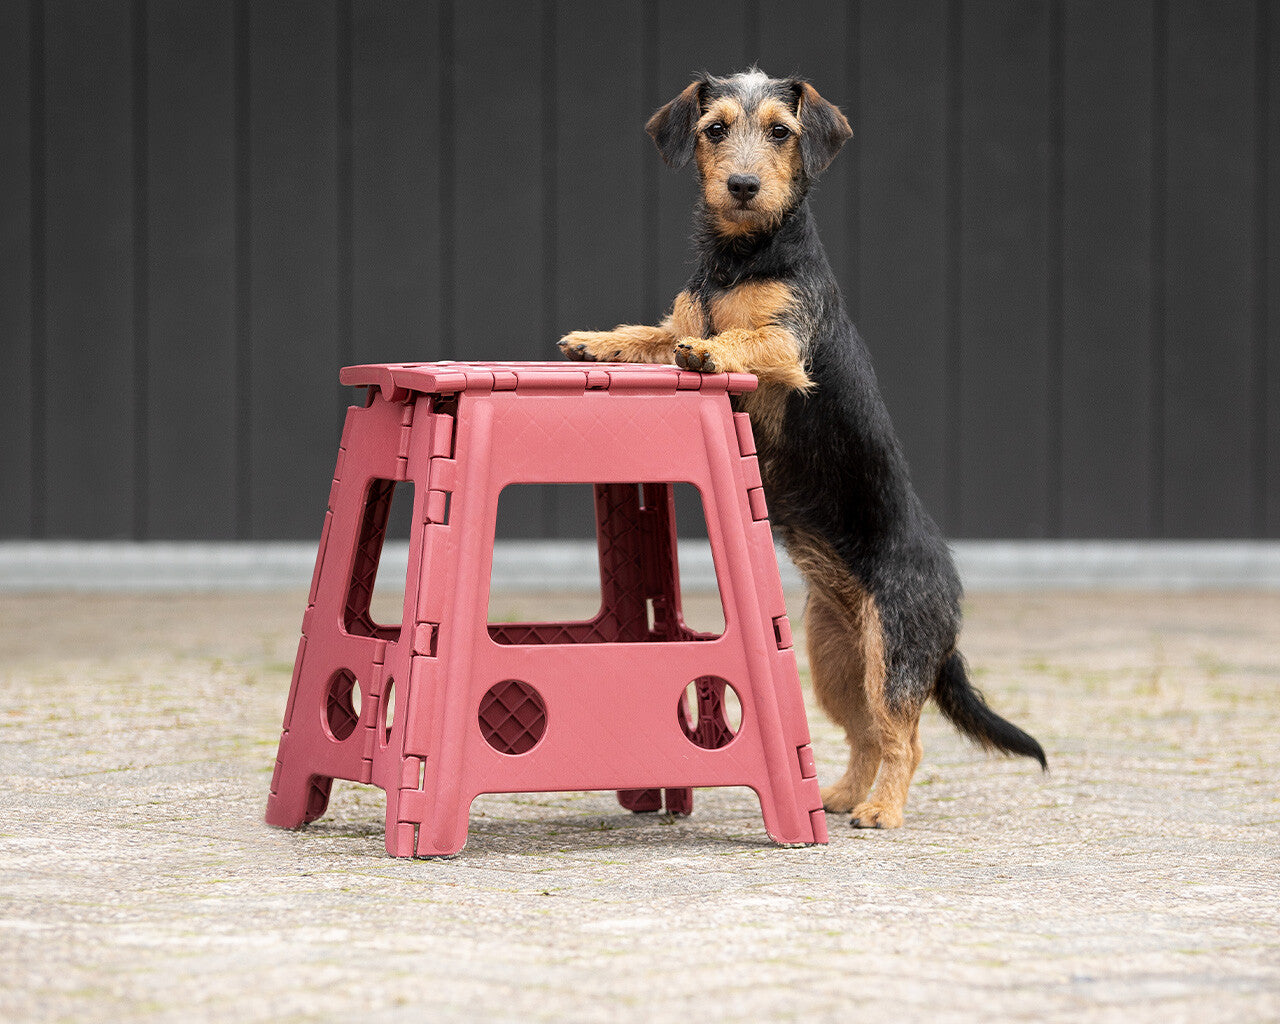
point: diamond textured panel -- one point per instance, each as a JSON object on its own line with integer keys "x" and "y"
{"x": 364, "y": 567}
{"x": 621, "y": 525}
{"x": 512, "y": 717}
{"x": 711, "y": 731}
{"x": 537, "y": 633}
{"x": 340, "y": 711}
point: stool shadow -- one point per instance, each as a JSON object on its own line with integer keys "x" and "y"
{"x": 568, "y": 836}
{"x": 502, "y": 824}
{"x": 497, "y": 833}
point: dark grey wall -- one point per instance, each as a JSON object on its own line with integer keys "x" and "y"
{"x": 1057, "y": 225}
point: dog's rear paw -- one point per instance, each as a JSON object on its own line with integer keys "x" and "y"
{"x": 873, "y": 815}
{"x": 837, "y": 800}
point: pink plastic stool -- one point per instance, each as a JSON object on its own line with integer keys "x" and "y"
{"x": 451, "y": 706}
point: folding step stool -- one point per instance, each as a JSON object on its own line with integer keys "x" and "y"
{"x": 445, "y": 706}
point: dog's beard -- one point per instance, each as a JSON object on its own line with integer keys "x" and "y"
{"x": 744, "y": 219}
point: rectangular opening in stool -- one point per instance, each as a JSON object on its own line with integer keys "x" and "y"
{"x": 376, "y": 592}
{"x": 634, "y": 593}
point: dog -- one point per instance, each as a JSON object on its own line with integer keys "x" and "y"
{"x": 883, "y": 610}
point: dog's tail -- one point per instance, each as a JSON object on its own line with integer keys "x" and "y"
{"x": 968, "y": 711}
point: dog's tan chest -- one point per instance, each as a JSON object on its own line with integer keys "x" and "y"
{"x": 751, "y": 306}
{"x": 688, "y": 319}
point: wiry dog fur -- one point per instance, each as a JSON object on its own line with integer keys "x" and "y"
{"x": 884, "y": 599}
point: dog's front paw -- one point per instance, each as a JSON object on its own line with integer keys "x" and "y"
{"x": 575, "y": 349}
{"x": 699, "y": 355}
{"x": 590, "y": 346}
{"x": 874, "y": 815}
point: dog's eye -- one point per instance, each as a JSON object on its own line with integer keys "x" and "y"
{"x": 716, "y": 131}
{"x": 779, "y": 132}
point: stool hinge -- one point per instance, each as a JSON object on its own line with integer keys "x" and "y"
{"x": 406, "y": 437}
{"x": 746, "y": 441}
{"x": 808, "y": 767}
{"x": 442, "y": 477}
{"x": 444, "y": 431}
{"x": 425, "y": 637}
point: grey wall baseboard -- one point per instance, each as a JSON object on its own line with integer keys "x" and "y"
{"x": 543, "y": 565}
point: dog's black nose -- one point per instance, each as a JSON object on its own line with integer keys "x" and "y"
{"x": 743, "y": 186}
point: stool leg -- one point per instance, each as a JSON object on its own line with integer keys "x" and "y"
{"x": 642, "y": 801}
{"x": 444, "y": 833}
{"x": 679, "y": 801}
{"x": 297, "y": 798}
{"x": 627, "y": 525}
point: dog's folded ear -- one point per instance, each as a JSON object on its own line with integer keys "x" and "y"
{"x": 674, "y": 127}
{"x": 823, "y": 129}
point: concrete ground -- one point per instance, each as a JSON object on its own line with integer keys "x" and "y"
{"x": 1138, "y": 881}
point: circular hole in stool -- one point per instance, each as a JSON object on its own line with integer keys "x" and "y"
{"x": 512, "y": 717}
{"x": 388, "y": 710}
{"x": 342, "y": 705}
{"x": 710, "y": 712}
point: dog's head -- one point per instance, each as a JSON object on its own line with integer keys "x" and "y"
{"x": 758, "y": 142}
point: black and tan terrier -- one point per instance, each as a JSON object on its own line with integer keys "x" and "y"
{"x": 883, "y": 612}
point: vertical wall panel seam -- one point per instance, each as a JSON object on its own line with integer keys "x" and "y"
{"x": 141, "y": 273}
{"x": 1159, "y": 279}
{"x": 243, "y": 271}
{"x": 1261, "y": 369}
{"x": 448, "y": 186}
{"x": 853, "y": 207}
{"x": 1054, "y": 234}
{"x": 550, "y": 211}
{"x": 39, "y": 270}
{"x": 954, "y": 234}
{"x": 343, "y": 186}
{"x": 649, "y": 167}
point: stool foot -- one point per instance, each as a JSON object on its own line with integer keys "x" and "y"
{"x": 640, "y": 801}
{"x": 796, "y": 829}
{"x": 442, "y": 830}
{"x": 644, "y": 801}
{"x": 297, "y": 801}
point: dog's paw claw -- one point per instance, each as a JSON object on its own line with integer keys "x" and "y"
{"x": 577, "y": 351}
{"x": 871, "y": 815}
{"x": 689, "y": 358}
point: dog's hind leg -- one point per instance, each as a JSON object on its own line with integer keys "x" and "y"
{"x": 900, "y": 750}
{"x": 846, "y": 662}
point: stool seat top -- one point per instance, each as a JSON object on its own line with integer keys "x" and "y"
{"x": 398, "y": 380}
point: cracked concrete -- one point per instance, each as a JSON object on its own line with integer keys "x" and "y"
{"x": 1137, "y": 881}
